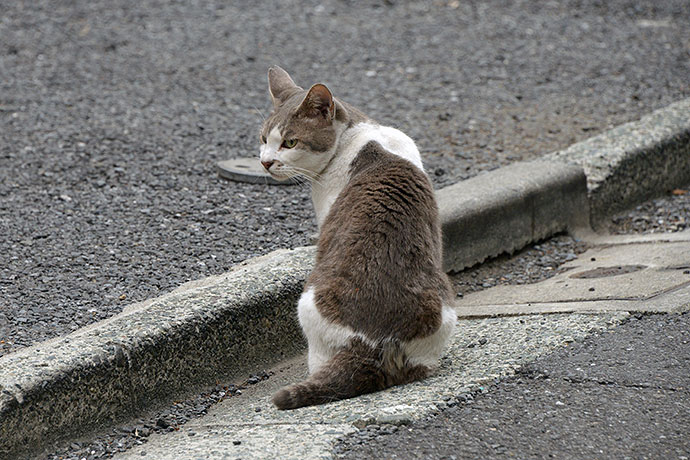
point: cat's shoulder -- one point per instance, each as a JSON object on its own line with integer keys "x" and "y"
{"x": 376, "y": 161}
{"x": 390, "y": 139}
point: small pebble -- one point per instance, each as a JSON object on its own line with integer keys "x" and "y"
{"x": 163, "y": 423}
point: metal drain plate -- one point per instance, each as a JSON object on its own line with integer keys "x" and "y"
{"x": 247, "y": 170}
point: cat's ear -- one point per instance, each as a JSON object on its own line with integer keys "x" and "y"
{"x": 319, "y": 103}
{"x": 280, "y": 85}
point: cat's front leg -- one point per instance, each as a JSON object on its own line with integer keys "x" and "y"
{"x": 313, "y": 325}
{"x": 324, "y": 337}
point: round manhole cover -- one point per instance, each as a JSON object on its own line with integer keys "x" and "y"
{"x": 603, "y": 272}
{"x": 247, "y": 170}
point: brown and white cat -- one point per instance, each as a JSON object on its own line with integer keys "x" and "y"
{"x": 376, "y": 308}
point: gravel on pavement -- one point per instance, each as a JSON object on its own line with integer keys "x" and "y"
{"x": 665, "y": 214}
{"x": 113, "y": 115}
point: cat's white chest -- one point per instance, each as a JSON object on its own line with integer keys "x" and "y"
{"x": 336, "y": 175}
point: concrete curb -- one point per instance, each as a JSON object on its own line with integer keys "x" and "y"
{"x": 200, "y": 333}
{"x": 218, "y": 327}
{"x": 635, "y": 161}
{"x": 504, "y": 210}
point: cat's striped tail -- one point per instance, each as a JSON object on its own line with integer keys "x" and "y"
{"x": 355, "y": 370}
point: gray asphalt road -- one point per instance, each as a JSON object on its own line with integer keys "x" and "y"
{"x": 623, "y": 394}
{"x": 113, "y": 114}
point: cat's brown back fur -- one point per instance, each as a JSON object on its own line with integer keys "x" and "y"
{"x": 380, "y": 247}
{"x": 376, "y": 310}
{"x": 378, "y": 272}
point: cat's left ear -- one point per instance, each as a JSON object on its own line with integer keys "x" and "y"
{"x": 319, "y": 103}
{"x": 280, "y": 85}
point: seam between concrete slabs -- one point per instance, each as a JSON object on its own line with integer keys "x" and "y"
{"x": 618, "y": 162}
{"x": 52, "y": 389}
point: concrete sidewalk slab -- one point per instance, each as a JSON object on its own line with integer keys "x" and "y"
{"x": 603, "y": 239}
{"x": 675, "y": 301}
{"x": 649, "y": 273}
{"x": 481, "y": 351}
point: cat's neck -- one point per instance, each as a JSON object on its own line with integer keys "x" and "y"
{"x": 351, "y": 140}
{"x": 336, "y": 174}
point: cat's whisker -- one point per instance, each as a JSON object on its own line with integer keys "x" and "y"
{"x": 310, "y": 175}
{"x": 301, "y": 180}
{"x": 263, "y": 118}
{"x": 306, "y": 172}
{"x": 298, "y": 174}
{"x": 303, "y": 174}
{"x": 314, "y": 181}
{"x": 295, "y": 175}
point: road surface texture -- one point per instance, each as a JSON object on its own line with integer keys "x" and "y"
{"x": 113, "y": 115}
{"x": 621, "y": 394}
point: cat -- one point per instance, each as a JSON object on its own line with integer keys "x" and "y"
{"x": 376, "y": 309}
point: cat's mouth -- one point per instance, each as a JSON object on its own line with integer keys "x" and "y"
{"x": 280, "y": 177}
{"x": 279, "y": 172}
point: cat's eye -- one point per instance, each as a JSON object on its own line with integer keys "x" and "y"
{"x": 263, "y": 139}
{"x": 289, "y": 143}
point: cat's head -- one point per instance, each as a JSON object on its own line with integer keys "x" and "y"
{"x": 300, "y": 135}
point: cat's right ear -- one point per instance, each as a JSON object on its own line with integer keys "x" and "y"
{"x": 280, "y": 85}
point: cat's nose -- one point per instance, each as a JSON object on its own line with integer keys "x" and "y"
{"x": 267, "y": 164}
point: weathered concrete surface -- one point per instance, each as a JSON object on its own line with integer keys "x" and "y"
{"x": 634, "y": 161}
{"x": 499, "y": 330}
{"x": 171, "y": 345}
{"x": 657, "y": 279}
{"x": 481, "y": 351}
{"x": 216, "y": 327}
{"x": 503, "y": 210}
